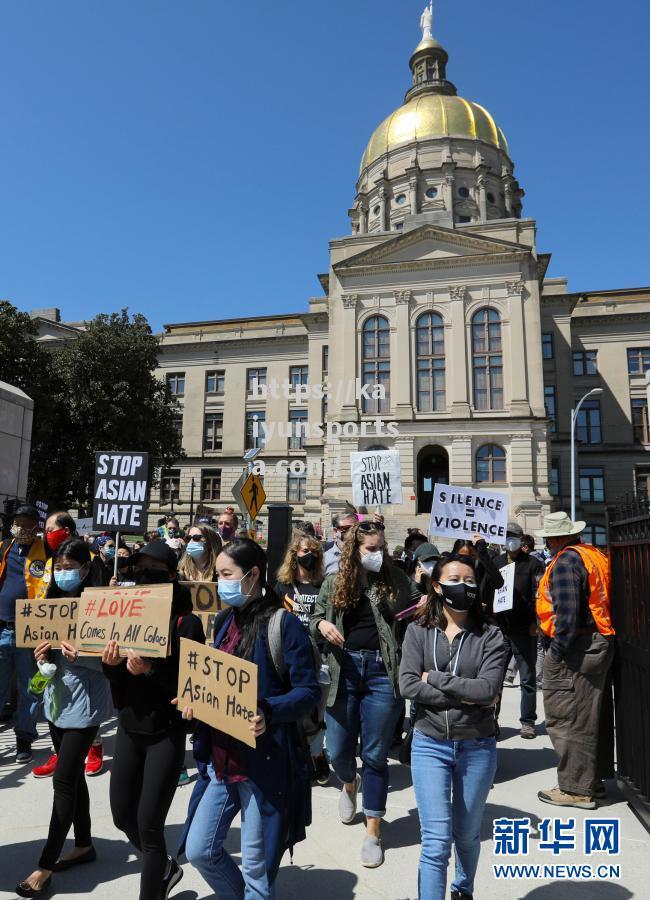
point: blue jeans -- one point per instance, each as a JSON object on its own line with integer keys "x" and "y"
{"x": 21, "y": 661}
{"x": 452, "y": 780}
{"x": 205, "y": 851}
{"x": 365, "y": 708}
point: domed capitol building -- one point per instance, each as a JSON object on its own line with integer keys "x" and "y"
{"x": 439, "y": 296}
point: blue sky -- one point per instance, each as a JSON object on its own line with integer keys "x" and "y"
{"x": 190, "y": 159}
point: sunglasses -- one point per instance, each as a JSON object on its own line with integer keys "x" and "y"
{"x": 371, "y": 526}
{"x": 197, "y": 537}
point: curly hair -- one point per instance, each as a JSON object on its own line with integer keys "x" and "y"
{"x": 287, "y": 572}
{"x": 432, "y": 614}
{"x": 350, "y": 578}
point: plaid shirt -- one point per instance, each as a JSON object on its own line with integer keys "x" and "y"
{"x": 569, "y": 589}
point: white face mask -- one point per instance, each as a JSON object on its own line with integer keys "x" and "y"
{"x": 372, "y": 562}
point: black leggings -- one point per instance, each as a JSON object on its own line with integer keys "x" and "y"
{"x": 144, "y": 777}
{"x": 71, "y": 802}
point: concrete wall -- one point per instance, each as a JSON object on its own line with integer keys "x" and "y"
{"x": 16, "y": 413}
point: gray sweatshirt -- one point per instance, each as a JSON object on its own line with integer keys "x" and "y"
{"x": 470, "y": 670}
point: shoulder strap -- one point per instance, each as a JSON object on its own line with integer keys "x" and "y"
{"x": 220, "y": 632}
{"x": 275, "y": 643}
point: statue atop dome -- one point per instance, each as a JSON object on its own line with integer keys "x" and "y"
{"x": 426, "y": 22}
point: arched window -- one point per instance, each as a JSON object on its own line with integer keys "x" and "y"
{"x": 430, "y": 353}
{"x": 490, "y": 464}
{"x": 376, "y": 364}
{"x": 487, "y": 359}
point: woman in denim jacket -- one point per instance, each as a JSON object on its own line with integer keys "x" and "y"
{"x": 452, "y": 668}
{"x": 77, "y": 700}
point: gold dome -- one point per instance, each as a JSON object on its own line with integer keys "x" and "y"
{"x": 431, "y": 116}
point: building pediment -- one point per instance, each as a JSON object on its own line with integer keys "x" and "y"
{"x": 430, "y": 245}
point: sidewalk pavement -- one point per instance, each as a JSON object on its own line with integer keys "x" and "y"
{"x": 326, "y": 866}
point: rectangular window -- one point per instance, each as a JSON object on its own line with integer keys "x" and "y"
{"x": 596, "y": 535}
{"x": 296, "y": 488}
{"x": 211, "y": 484}
{"x": 585, "y": 362}
{"x": 254, "y": 377}
{"x": 176, "y": 383}
{"x": 640, "y": 420}
{"x": 591, "y": 484}
{"x": 376, "y": 375}
{"x": 638, "y": 360}
{"x": 170, "y": 486}
{"x": 547, "y": 345}
{"x": 215, "y": 382}
{"x": 588, "y": 429}
{"x": 255, "y": 430}
{"x": 326, "y": 359}
{"x": 555, "y": 478}
{"x": 213, "y": 431}
{"x": 298, "y": 375}
{"x": 549, "y": 402}
{"x": 642, "y": 481}
{"x": 298, "y": 423}
{"x": 178, "y": 426}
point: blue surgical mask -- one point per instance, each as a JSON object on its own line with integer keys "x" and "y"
{"x": 68, "y": 580}
{"x": 231, "y": 592}
{"x": 195, "y": 548}
{"x": 109, "y": 552}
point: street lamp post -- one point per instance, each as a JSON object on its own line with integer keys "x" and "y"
{"x": 574, "y": 417}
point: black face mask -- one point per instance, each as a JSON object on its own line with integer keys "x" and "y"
{"x": 460, "y": 596}
{"x": 150, "y": 576}
{"x": 308, "y": 561}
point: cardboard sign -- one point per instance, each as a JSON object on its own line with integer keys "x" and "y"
{"x": 120, "y": 496}
{"x": 42, "y": 506}
{"x": 463, "y": 512}
{"x": 136, "y": 617}
{"x": 376, "y": 478}
{"x": 52, "y": 620}
{"x": 205, "y": 597}
{"x": 504, "y": 596}
{"x": 207, "y": 620}
{"x": 221, "y": 689}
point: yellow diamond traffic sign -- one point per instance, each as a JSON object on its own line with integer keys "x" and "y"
{"x": 253, "y": 494}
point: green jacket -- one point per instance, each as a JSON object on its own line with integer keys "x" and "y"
{"x": 408, "y": 594}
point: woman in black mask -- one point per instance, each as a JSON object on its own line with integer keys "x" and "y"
{"x": 150, "y": 743}
{"x": 299, "y": 579}
{"x": 452, "y": 666}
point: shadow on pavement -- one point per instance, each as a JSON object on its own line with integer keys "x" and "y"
{"x": 498, "y": 811}
{"x": 579, "y": 890}
{"x": 514, "y": 762}
{"x": 299, "y": 882}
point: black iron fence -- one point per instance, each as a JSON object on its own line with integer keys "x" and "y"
{"x": 629, "y": 537}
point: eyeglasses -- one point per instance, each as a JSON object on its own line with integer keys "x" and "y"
{"x": 371, "y": 526}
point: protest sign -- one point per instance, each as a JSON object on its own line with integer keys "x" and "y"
{"x": 120, "y": 495}
{"x": 463, "y": 512}
{"x": 205, "y": 597}
{"x": 207, "y": 620}
{"x": 504, "y": 596}
{"x": 376, "y": 477}
{"x": 84, "y": 526}
{"x": 136, "y": 617}
{"x": 46, "y": 620}
{"x": 42, "y": 507}
{"x": 220, "y": 688}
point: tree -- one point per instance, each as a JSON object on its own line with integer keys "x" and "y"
{"x": 97, "y": 392}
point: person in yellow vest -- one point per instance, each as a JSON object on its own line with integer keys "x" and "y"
{"x": 573, "y": 612}
{"x": 22, "y": 571}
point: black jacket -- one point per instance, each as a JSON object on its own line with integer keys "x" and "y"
{"x": 144, "y": 701}
{"x": 528, "y": 571}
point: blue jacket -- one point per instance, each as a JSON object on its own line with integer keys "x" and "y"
{"x": 81, "y": 691}
{"x": 278, "y": 765}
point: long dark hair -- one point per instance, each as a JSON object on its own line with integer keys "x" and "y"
{"x": 72, "y": 548}
{"x": 245, "y": 553}
{"x": 433, "y": 613}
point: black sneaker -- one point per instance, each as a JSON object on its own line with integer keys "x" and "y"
{"x": 171, "y": 879}
{"x": 23, "y": 752}
{"x": 459, "y": 895}
{"x": 322, "y": 769}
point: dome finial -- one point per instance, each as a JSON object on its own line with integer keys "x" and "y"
{"x": 426, "y": 22}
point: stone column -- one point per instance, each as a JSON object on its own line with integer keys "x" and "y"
{"x": 461, "y": 464}
{"x": 456, "y": 352}
{"x": 383, "y": 209}
{"x": 401, "y": 362}
{"x": 519, "y": 404}
{"x": 344, "y": 397}
{"x": 482, "y": 198}
{"x": 413, "y": 186}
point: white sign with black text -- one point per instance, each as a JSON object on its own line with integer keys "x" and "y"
{"x": 120, "y": 497}
{"x": 460, "y": 512}
{"x": 504, "y": 596}
{"x": 376, "y": 478}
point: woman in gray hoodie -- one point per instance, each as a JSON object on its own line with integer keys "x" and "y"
{"x": 452, "y": 668}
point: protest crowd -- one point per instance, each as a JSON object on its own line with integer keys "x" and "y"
{"x": 350, "y": 649}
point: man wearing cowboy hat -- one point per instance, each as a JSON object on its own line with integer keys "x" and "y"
{"x": 573, "y": 611}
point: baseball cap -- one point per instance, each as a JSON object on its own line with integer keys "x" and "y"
{"x": 515, "y": 530}
{"x": 160, "y": 552}
{"x": 426, "y": 552}
{"x": 30, "y": 512}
